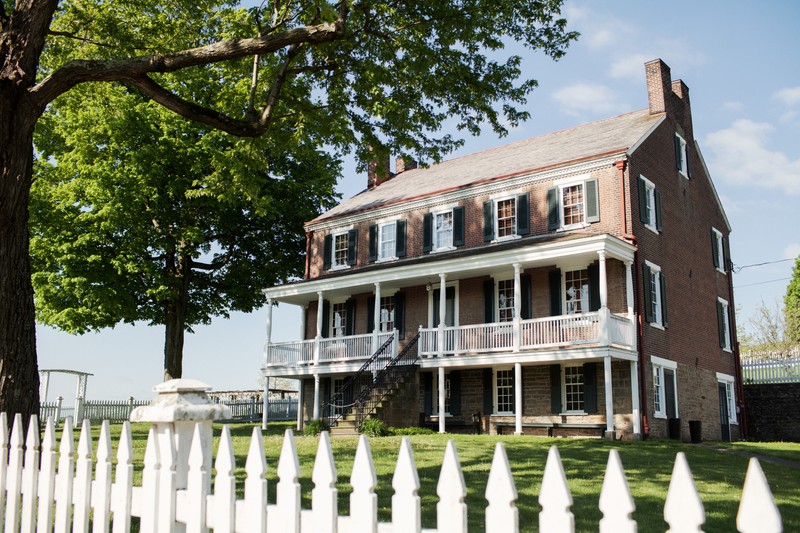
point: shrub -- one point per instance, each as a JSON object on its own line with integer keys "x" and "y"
{"x": 410, "y": 431}
{"x": 315, "y": 427}
{"x": 373, "y": 428}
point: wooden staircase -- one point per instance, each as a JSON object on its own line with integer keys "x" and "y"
{"x": 378, "y": 397}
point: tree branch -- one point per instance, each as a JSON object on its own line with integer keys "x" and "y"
{"x": 78, "y": 38}
{"x": 82, "y": 71}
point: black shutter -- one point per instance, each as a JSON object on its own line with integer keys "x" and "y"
{"x": 513, "y": 391}
{"x": 594, "y": 287}
{"x": 352, "y": 246}
{"x": 523, "y": 214}
{"x": 427, "y": 392}
{"x": 662, "y": 279}
{"x": 458, "y": 226}
{"x": 488, "y": 220}
{"x": 373, "y": 243}
{"x": 721, "y": 324}
{"x": 399, "y": 314}
{"x": 400, "y": 243}
{"x": 552, "y": 208}
{"x": 555, "y": 388}
{"x": 488, "y": 301}
{"x": 726, "y": 255}
{"x": 526, "y": 307}
{"x": 688, "y": 169}
{"x": 554, "y": 280}
{"x": 644, "y": 215}
{"x": 427, "y": 232}
{"x": 350, "y": 317}
{"x": 715, "y": 248}
{"x": 678, "y": 152}
{"x": 327, "y": 252}
{"x": 455, "y": 392}
{"x": 648, "y": 300}
{"x": 592, "y": 201}
{"x": 326, "y": 319}
{"x": 370, "y": 313}
{"x": 659, "y": 218}
{"x": 590, "y": 388}
{"x": 488, "y": 391}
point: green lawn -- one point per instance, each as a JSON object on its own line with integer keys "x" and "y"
{"x": 648, "y": 466}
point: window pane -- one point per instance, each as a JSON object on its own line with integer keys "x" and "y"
{"x": 443, "y": 231}
{"x": 657, "y": 392}
{"x": 505, "y": 391}
{"x": 505, "y": 300}
{"x": 340, "y": 250}
{"x": 576, "y": 290}
{"x": 339, "y": 320}
{"x": 387, "y": 313}
{"x": 388, "y": 237}
{"x": 573, "y": 388}
{"x": 572, "y": 201}
{"x": 507, "y": 217}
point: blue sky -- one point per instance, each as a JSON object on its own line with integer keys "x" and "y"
{"x": 741, "y": 62}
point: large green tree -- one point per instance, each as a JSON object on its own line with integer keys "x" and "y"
{"x": 791, "y": 303}
{"x": 349, "y": 73}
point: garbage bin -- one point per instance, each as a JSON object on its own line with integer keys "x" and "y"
{"x": 674, "y": 428}
{"x": 696, "y": 430}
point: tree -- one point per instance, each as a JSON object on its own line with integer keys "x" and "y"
{"x": 792, "y": 305}
{"x": 349, "y": 73}
{"x": 769, "y": 328}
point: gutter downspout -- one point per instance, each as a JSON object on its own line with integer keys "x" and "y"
{"x": 621, "y": 164}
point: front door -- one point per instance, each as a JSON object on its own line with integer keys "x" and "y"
{"x": 724, "y": 416}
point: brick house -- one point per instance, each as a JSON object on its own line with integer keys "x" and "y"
{"x": 575, "y": 283}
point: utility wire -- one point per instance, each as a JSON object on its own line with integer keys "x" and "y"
{"x": 738, "y": 269}
{"x": 760, "y": 283}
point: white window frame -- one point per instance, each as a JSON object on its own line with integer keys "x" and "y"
{"x": 585, "y": 302}
{"x": 388, "y": 299}
{"x": 497, "y": 307}
{"x": 683, "y": 154}
{"x": 495, "y": 406}
{"x": 337, "y": 383}
{"x": 659, "y": 364}
{"x": 437, "y": 246}
{"x": 720, "y": 250}
{"x": 730, "y": 391}
{"x": 650, "y": 192}
{"x": 655, "y": 296}
{"x": 434, "y": 303}
{"x": 435, "y": 394}
{"x": 333, "y": 327}
{"x": 515, "y": 234}
{"x": 345, "y": 232}
{"x": 726, "y": 315}
{"x": 562, "y": 207}
{"x": 383, "y": 227}
{"x": 564, "y": 409}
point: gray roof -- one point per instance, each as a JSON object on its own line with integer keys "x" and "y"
{"x": 606, "y": 136}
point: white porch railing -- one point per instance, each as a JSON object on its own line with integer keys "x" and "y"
{"x": 332, "y": 349}
{"x": 47, "y": 487}
{"x": 289, "y": 353}
{"x": 564, "y": 330}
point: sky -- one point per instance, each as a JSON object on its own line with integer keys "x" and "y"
{"x": 741, "y": 62}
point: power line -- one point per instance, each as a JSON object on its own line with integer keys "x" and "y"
{"x": 740, "y": 268}
{"x": 760, "y": 283}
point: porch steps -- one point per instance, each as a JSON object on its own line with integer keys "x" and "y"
{"x": 347, "y": 425}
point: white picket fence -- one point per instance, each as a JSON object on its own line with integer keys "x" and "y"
{"x": 51, "y": 490}
{"x": 771, "y": 368}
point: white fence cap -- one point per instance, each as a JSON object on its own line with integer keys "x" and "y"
{"x": 180, "y": 400}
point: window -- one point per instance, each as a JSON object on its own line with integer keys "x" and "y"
{"x": 655, "y": 301}
{"x": 387, "y": 240}
{"x": 649, "y": 205}
{"x": 339, "y": 322}
{"x": 447, "y": 393}
{"x": 665, "y": 391}
{"x": 727, "y": 381}
{"x": 338, "y": 386}
{"x": 718, "y": 249}
{"x": 572, "y": 205}
{"x": 681, "y": 155}
{"x": 387, "y": 313}
{"x": 505, "y": 300}
{"x": 573, "y": 388}
{"x": 443, "y": 229}
{"x": 506, "y": 217}
{"x": 724, "y": 324}
{"x": 576, "y": 291}
{"x": 339, "y": 249}
{"x": 504, "y": 391}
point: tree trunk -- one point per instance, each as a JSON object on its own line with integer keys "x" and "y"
{"x": 175, "y": 311}
{"x": 19, "y": 376}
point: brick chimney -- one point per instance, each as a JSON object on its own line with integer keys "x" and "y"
{"x": 682, "y": 108}
{"x": 404, "y": 163}
{"x": 378, "y": 172}
{"x": 659, "y": 85}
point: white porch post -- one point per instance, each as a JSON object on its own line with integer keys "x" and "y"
{"x": 265, "y": 414}
{"x": 517, "y": 399}
{"x": 517, "y": 307}
{"x": 604, "y": 312}
{"x": 44, "y": 384}
{"x": 609, "y": 398}
{"x": 301, "y": 397}
{"x": 442, "y": 317}
{"x": 303, "y": 311}
{"x": 268, "y": 325}
{"x": 441, "y": 399}
{"x": 376, "y": 317}
{"x": 316, "y": 397}
{"x": 319, "y": 329}
{"x": 635, "y": 408}
{"x": 629, "y": 287}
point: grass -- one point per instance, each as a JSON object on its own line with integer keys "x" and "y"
{"x": 648, "y": 466}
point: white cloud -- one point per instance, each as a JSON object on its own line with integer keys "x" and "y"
{"x": 601, "y": 38}
{"x": 631, "y": 66}
{"x": 584, "y": 97}
{"x": 734, "y": 105}
{"x": 791, "y": 251}
{"x": 789, "y": 96}
{"x": 740, "y": 155}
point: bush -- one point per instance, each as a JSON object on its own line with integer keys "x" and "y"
{"x": 373, "y": 428}
{"x": 315, "y": 427}
{"x": 411, "y": 431}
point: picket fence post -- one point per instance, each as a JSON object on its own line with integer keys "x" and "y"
{"x": 451, "y": 511}
{"x": 47, "y": 478}
{"x": 406, "y": 503}
{"x": 757, "y": 510}
{"x": 324, "y": 496}
{"x": 287, "y": 517}
{"x": 616, "y": 502}
{"x": 502, "y": 515}
{"x": 554, "y": 496}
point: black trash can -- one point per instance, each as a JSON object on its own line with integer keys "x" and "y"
{"x": 696, "y": 430}
{"x": 674, "y": 428}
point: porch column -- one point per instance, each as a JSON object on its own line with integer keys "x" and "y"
{"x": 442, "y": 317}
{"x": 300, "y": 405}
{"x": 517, "y": 399}
{"x": 517, "y": 307}
{"x": 269, "y": 321}
{"x": 303, "y": 311}
{"x": 609, "y": 398}
{"x": 629, "y": 287}
{"x": 441, "y": 399}
{"x": 605, "y": 320}
{"x": 318, "y": 337}
{"x": 635, "y": 409}
{"x": 265, "y": 414}
{"x": 376, "y": 317}
{"x": 316, "y": 397}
